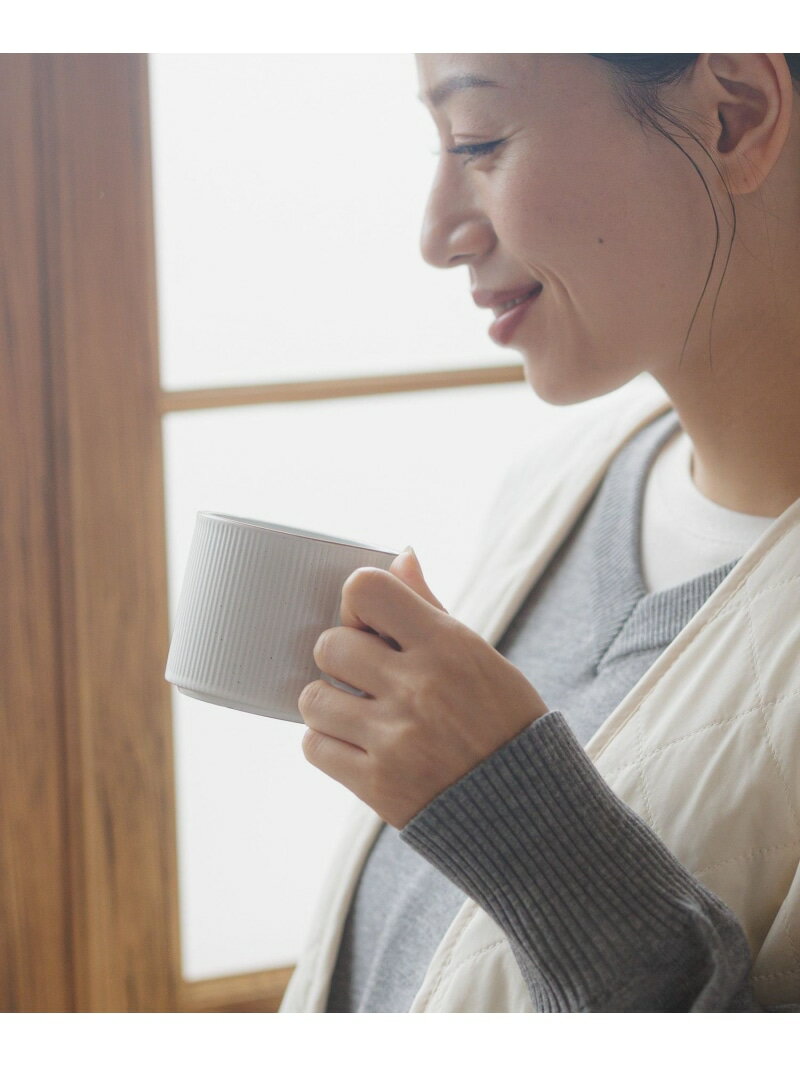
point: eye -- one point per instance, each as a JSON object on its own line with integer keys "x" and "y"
{"x": 475, "y": 151}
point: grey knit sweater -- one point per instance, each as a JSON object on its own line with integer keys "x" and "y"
{"x": 599, "y": 914}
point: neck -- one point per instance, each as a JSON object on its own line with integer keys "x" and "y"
{"x": 737, "y": 387}
{"x": 743, "y": 417}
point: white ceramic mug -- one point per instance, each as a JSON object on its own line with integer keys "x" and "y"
{"x": 254, "y": 600}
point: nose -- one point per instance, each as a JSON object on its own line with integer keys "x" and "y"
{"x": 455, "y": 230}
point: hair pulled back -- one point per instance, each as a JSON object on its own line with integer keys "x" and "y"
{"x": 644, "y": 74}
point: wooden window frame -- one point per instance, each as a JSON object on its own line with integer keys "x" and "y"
{"x": 88, "y": 893}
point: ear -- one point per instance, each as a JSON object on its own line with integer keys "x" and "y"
{"x": 749, "y": 97}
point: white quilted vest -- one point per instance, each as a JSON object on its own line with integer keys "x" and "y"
{"x": 705, "y": 748}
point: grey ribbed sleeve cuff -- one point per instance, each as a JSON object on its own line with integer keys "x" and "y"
{"x": 601, "y": 917}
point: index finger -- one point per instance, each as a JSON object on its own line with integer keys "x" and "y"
{"x": 373, "y": 599}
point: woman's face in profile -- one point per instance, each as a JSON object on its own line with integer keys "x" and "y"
{"x": 547, "y": 186}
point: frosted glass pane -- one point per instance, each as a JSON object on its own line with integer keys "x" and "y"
{"x": 256, "y": 822}
{"x": 289, "y": 192}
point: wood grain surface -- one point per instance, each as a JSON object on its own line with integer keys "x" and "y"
{"x": 335, "y": 388}
{"x": 35, "y": 943}
{"x": 97, "y": 224}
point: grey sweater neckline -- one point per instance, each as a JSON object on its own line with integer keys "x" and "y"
{"x": 627, "y": 618}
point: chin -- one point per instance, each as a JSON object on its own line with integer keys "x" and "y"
{"x": 561, "y": 390}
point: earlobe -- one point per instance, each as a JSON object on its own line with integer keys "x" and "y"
{"x": 754, "y": 104}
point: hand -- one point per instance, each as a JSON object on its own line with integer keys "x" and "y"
{"x": 438, "y": 698}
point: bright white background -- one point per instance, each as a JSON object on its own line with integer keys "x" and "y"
{"x": 289, "y": 197}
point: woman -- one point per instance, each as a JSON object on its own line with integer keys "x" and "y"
{"x": 621, "y": 215}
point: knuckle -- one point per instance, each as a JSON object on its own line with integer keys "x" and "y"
{"x": 449, "y": 630}
{"x": 311, "y": 745}
{"x": 407, "y": 691}
{"x": 322, "y": 648}
{"x": 453, "y": 644}
{"x": 309, "y": 699}
{"x": 364, "y": 582}
{"x": 425, "y": 702}
{"x": 399, "y": 742}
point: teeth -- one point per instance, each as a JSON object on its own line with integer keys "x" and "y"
{"x": 513, "y": 303}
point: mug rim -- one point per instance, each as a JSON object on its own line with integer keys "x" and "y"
{"x": 292, "y": 531}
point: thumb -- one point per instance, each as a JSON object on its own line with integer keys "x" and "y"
{"x": 406, "y": 567}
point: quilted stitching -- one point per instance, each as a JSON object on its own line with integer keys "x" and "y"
{"x": 792, "y": 943}
{"x": 612, "y": 772}
{"x": 648, "y": 806}
{"x": 437, "y": 991}
{"x": 765, "y": 725}
{"x": 774, "y": 975}
{"x": 687, "y": 804}
{"x": 761, "y": 702}
{"x": 723, "y": 647}
{"x": 469, "y": 913}
{"x": 751, "y": 854}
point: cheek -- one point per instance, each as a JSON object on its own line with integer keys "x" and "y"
{"x": 557, "y": 220}
{"x": 610, "y": 247}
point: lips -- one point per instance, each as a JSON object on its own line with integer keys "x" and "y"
{"x": 502, "y": 300}
{"x": 509, "y": 306}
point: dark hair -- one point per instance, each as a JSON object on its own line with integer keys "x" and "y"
{"x": 639, "y": 79}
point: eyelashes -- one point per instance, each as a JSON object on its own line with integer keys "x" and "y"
{"x": 475, "y": 151}
{"x": 469, "y": 152}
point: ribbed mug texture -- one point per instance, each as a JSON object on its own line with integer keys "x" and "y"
{"x": 254, "y": 601}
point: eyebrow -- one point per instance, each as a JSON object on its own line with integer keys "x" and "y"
{"x": 456, "y": 84}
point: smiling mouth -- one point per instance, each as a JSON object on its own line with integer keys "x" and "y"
{"x": 508, "y": 316}
{"x": 501, "y": 309}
